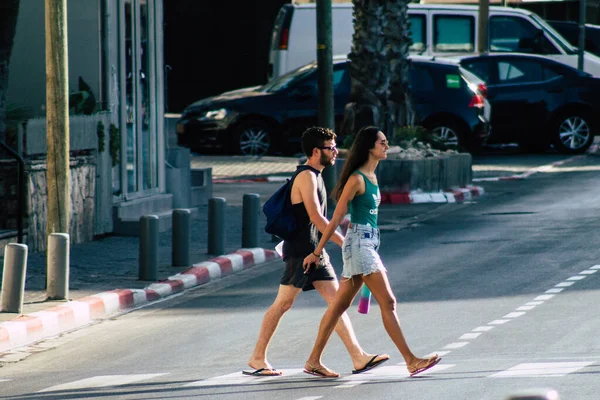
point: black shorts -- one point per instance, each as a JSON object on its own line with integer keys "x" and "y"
{"x": 293, "y": 274}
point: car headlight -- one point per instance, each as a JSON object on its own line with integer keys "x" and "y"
{"x": 213, "y": 115}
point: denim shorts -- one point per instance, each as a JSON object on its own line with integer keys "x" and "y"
{"x": 359, "y": 251}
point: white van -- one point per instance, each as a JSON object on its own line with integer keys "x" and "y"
{"x": 437, "y": 29}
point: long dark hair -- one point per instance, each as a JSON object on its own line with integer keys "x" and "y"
{"x": 358, "y": 155}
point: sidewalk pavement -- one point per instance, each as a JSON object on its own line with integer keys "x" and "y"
{"x": 104, "y": 273}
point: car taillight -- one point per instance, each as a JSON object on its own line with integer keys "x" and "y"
{"x": 476, "y": 101}
{"x": 482, "y": 89}
{"x": 283, "y": 39}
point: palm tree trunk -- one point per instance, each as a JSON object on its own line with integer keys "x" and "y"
{"x": 379, "y": 67}
{"x": 9, "y": 10}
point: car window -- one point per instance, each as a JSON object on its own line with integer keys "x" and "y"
{"x": 418, "y": 35}
{"x": 549, "y": 73}
{"x": 519, "y": 71}
{"x": 341, "y": 79}
{"x": 284, "y": 81}
{"x": 515, "y": 34}
{"x": 453, "y": 33}
{"x": 420, "y": 79}
{"x": 478, "y": 67}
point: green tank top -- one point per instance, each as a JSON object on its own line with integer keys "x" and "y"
{"x": 364, "y": 208}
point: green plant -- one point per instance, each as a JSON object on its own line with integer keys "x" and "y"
{"x": 101, "y": 139}
{"x": 405, "y": 134}
{"x": 115, "y": 144}
{"x": 408, "y": 136}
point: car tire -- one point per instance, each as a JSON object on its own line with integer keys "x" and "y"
{"x": 448, "y": 133}
{"x": 253, "y": 138}
{"x": 572, "y": 132}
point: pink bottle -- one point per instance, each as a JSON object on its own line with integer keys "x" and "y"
{"x": 365, "y": 300}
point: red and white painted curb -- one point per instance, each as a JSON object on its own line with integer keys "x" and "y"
{"x": 454, "y": 195}
{"x": 36, "y": 326}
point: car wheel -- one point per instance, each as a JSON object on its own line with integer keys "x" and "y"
{"x": 573, "y": 133}
{"x": 447, "y": 134}
{"x": 253, "y": 138}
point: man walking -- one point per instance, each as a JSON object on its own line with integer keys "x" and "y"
{"x": 309, "y": 202}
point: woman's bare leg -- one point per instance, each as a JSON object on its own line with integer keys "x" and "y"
{"x": 343, "y": 298}
{"x": 380, "y": 288}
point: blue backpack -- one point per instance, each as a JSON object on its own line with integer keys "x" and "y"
{"x": 281, "y": 220}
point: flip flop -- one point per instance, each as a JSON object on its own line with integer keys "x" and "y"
{"x": 321, "y": 373}
{"x": 371, "y": 364}
{"x": 261, "y": 372}
{"x": 430, "y": 363}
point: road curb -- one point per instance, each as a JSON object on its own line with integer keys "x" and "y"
{"x": 29, "y": 328}
{"x": 454, "y": 195}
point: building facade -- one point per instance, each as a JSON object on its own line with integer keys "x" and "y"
{"x": 115, "y": 64}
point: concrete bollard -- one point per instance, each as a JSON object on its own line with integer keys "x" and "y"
{"x": 13, "y": 278}
{"x": 534, "y": 394}
{"x": 216, "y": 225}
{"x": 180, "y": 247}
{"x": 148, "y": 247}
{"x": 250, "y": 217}
{"x": 57, "y": 263}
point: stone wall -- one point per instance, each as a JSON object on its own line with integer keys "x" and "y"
{"x": 8, "y": 194}
{"x": 83, "y": 189}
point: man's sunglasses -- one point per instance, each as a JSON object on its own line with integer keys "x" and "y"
{"x": 330, "y": 148}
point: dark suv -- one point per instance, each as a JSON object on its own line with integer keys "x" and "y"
{"x": 271, "y": 118}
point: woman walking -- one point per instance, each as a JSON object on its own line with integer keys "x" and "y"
{"x": 357, "y": 190}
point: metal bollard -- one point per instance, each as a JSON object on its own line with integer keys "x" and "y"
{"x": 250, "y": 216}
{"x": 13, "y": 278}
{"x": 180, "y": 247}
{"x": 216, "y": 225}
{"x": 57, "y": 262}
{"x": 148, "y": 247}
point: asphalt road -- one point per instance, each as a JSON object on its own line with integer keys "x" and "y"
{"x": 505, "y": 288}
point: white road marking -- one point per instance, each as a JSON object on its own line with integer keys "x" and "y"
{"x": 595, "y": 267}
{"x": 468, "y": 336}
{"x": 534, "y": 303}
{"x": 483, "y": 328}
{"x": 541, "y": 369}
{"x": 565, "y": 284}
{"x": 238, "y": 378}
{"x": 526, "y": 308}
{"x": 514, "y": 315}
{"x": 311, "y": 398}
{"x": 456, "y": 345}
{"x": 499, "y": 321}
{"x": 101, "y": 381}
{"x": 588, "y": 272}
{"x": 555, "y": 290}
{"x": 439, "y": 353}
{"x": 544, "y": 297}
{"x": 576, "y": 278}
{"x": 351, "y": 384}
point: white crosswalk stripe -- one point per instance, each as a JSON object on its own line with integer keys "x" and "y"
{"x": 541, "y": 369}
{"x": 101, "y": 381}
{"x": 293, "y": 375}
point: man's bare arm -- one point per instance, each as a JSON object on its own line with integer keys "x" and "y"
{"x": 307, "y": 188}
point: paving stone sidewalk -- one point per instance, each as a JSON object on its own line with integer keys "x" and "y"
{"x": 112, "y": 262}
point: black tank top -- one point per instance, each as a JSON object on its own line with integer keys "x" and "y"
{"x": 308, "y": 236}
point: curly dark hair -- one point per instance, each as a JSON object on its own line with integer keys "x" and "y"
{"x": 315, "y": 136}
